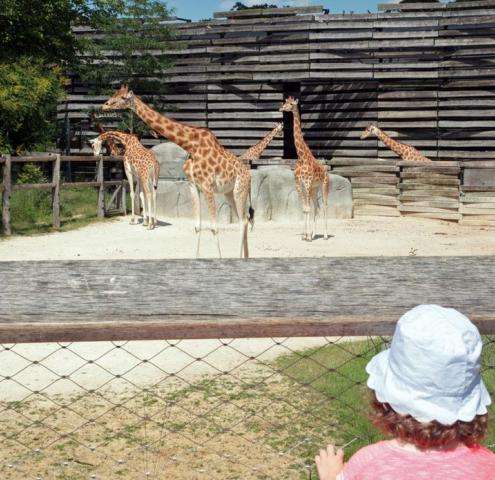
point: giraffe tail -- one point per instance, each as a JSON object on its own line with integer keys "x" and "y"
{"x": 156, "y": 175}
{"x": 251, "y": 212}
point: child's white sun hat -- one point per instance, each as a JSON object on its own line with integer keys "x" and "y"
{"x": 432, "y": 369}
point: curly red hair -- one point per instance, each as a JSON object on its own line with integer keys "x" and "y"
{"x": 427, "y": 435}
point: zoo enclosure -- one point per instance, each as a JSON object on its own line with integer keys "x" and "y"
{"x": 204, "y": 402}
{"x": 424, "y": 72}
{"x": 117, "y": 200}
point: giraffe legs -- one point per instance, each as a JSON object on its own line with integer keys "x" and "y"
{"x": 143, "y": 203}
{"x": 304, "y": 190}
{"x": 197, "y": 213}
{"x": 130, "y": 179}
{"x": 237, "y": 200}
{"x": 325, "y": 194}
{"x": 212, "y": 208}
{"x": 314, "y": 198}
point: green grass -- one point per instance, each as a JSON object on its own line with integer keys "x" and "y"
{"x": 31, "y": 210}
{"x": 335, "y": 377}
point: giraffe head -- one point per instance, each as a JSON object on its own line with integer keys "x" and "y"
{"x": 96, "y": 144}
{"x": 290, "y": 105}
{"x": 123, "y": 98}
{"x": 279, "y": 128}
{"x": 370, "y": 130}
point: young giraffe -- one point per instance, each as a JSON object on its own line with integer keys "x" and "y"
{"x": 309, "y": 174}
{"x": 256, "y": 150}
{"x": 406, "y": 152}
{"x": 141, "y": 161}
{"x": 210, "y": 168}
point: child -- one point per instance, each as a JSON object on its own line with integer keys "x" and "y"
{"x": 429, "y": 396}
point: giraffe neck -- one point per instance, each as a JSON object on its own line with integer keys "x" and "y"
{"x": 389, "y": 142}
{"x": 303, "y": 151}
{"x": 256, "y": 150}
{"x": 174, "y": 131}
{"x": 124, "y": 138}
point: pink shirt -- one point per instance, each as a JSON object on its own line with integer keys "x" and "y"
{"x": 390, "y": 461}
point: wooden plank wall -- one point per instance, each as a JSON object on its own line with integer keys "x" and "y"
{"x": 425, "y": 73}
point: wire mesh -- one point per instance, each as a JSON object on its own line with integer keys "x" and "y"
{"x": 221, "y": 408}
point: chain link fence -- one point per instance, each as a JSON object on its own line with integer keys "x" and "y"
{"x": 186, "y": 409}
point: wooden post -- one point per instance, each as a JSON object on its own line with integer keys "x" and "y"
{"x": 7, "y": 188}
{"x": 101, "y": 189}
{"x": 56, "y": 192}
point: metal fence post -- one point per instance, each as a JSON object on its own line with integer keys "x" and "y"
{"x": 56, "y": 192}
{"x": 7, "y": 188}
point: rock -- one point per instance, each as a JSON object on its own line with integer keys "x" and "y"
{"x": 173, "y": 200}
{"x": 273, "y": 194}
{"x": 275, "y": 197}
{"x": 340, "y": 200}
{"x": 171, "y": 158}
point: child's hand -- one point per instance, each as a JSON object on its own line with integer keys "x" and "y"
{"x": 329, "y": 463}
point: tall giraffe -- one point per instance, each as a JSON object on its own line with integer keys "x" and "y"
{"x": 310, "y": 175}
{"x": 256, "y": 150}
{"x": 210, "y": 167}
{"x": 406, "y": 152}
{"x": 140, "y": 161}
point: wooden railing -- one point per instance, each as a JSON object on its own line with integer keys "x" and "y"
{"x": 99, "y": 301}
{"x": 7, "y": 187}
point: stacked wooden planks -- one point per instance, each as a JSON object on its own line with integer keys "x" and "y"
{"x": 374, "y": 185}
{"x": 430, "y": 190}
{"x": 478, "y": 194}
{"x": 424, "y": 72}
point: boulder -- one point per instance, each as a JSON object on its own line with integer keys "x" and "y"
{"x": 171, "y": 158}
{"x": 173, "y": 200}
{"x": 273, "y": 194}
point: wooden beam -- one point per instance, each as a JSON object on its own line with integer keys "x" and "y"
{"x": 95, "y": 300}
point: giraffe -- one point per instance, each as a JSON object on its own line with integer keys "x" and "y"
{"x": 256, "y": 150}
{"x": 406, "y": 152}
{"x": 141, "y": 161}
{"x": 310, "y": 175}
{"x": 210, "y": 167}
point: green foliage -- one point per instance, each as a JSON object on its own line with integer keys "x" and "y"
{"x": 31, "y": 173}
{"x": 29, "y": 93}
{"x": 31, "y": 205}
{"x": 38, "y": 29}
{"x": 135, "y": 31}
{"x": 38, "y": 47}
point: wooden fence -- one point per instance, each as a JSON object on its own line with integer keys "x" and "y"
{"x": 7, "y": 186}
{"x": 99, "y": 301}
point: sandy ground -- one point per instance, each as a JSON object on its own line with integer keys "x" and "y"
{"x": 371, "y": 236}
{"x": 52, "y": 370}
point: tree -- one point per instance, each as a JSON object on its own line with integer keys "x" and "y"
{"x": 29, "y": 93}
{"x": 39, "y": 47}
{"x": 131, "y": 43}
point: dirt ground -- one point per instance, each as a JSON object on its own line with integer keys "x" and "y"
{"x": 370, "y": 236}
